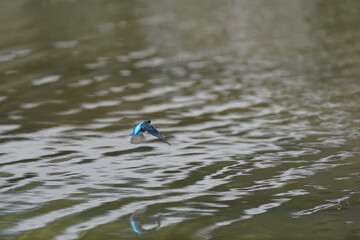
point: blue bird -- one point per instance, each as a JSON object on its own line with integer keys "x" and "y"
{"x": 139, "y": 129}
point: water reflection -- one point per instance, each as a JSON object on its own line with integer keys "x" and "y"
{"x": 136, "y": 219}
{"x": 259, "y": 99}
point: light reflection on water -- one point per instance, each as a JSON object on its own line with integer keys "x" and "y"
{"x": 259, "y": 101}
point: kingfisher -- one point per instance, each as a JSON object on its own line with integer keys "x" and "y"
{"x": 139, "y": 129}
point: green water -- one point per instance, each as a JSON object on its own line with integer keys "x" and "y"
{"x": 259, "y": 100}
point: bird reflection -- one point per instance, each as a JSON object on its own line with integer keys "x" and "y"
{"x": 136, "y": 223}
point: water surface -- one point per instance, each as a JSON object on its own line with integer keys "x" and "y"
{"x": 259, "y": 99}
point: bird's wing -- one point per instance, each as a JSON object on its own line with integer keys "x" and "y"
{"x": 153, "y": 131}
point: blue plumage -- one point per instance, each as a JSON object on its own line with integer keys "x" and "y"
{"x": 139, "y": 129}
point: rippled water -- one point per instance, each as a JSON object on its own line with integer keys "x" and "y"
{"x": 259, "y": 99}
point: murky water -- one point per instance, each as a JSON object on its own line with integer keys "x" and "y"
{"x": 259, "y": 100}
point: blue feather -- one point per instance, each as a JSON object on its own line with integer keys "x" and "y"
{"x": 143, "y": 126}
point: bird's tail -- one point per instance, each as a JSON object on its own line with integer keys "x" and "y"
{"x": 164, "y": 140}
